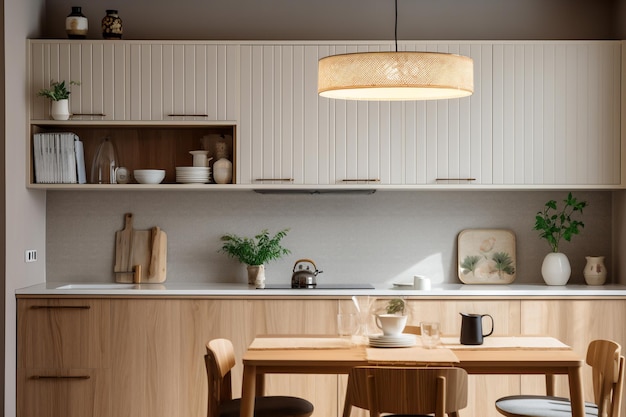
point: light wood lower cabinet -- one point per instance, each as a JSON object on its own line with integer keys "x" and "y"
{"x": 145, "y": 357}
{"x": 63, "y": 358}
{"x": 575, "y": 322}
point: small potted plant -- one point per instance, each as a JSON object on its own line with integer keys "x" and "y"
{"x": 59, "y": 94}
{"x": 255, "y": 252}
{"x": 553, "y": 225}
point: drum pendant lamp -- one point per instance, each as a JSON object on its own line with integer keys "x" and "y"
{"x": 393, "y": 76}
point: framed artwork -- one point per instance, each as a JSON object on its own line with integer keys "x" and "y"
{"x": 486, "y": 256}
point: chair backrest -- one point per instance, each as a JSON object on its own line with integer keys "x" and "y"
{"x": 219, "y": 361}
{"x": 607, "y": 367}
{"x": 401, "y": 390}
{"x": 410, "y": 329}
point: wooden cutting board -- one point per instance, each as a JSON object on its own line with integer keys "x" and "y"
{"x": 144, "y": 248}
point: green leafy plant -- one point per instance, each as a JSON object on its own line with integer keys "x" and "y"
{"x": 57, "y": 91}
{"x": 255, "y": 251}
{"x": 554, "y": 224}
{"x": 395, "y": 306}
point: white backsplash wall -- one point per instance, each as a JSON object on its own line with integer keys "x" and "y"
{"x": 384, "y": 237}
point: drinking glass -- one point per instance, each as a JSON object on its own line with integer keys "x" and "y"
{"x": 430, "y": 334}
{"x": 347, "y": 324}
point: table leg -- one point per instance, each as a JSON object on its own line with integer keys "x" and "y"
{"x": 550, "y": 385}
{"x": 248, "y": 391}
{"x": 577, "y": 398}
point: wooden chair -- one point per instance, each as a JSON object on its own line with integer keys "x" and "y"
{"x": 410, "y": 329}
{"x": 607, "y": 363}
{"x": 406, "y": 391}
{"x": 219, "y": 360}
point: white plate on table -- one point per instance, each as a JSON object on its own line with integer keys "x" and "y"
{"x": 401, "y": 340}
{"x": 403, "y": 284}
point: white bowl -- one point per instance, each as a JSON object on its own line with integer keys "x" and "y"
{"x": 149, "y": 176}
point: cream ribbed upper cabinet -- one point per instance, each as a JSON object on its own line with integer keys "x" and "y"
{"x": 288, "y": 134}
{"x": 139, "y": 80}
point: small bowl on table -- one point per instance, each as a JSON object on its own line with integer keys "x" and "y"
{"x": 149, "y": 176}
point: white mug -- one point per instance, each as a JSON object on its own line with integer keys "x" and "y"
{"x": 420, "y": 282}
{"x": 391, "y": 324}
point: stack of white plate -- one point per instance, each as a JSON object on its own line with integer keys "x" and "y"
{"x": 193, "y": 175}
{"x": 399, "y": 340}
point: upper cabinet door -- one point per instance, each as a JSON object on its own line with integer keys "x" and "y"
{"x": 542, "y": 113}
{"x": 133, "y": 80}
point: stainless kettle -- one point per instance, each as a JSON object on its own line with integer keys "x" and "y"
{"x": 304, "y": 277}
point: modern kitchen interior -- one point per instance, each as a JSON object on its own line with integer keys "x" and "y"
{"x": 382, "y": 233}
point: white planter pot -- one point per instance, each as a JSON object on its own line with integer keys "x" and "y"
{"x": 556, "y": 269}
{"x": 60, "y": 110}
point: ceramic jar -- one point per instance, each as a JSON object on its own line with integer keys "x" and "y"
{"x": 223, "y": 167}
{"x": 595, "y": 271}
{"x": 556, "y": 269}
{"x": 76, "y": 24}
{"x": 112, "y": 25}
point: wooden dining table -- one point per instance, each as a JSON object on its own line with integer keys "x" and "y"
{"x": 288, "y": 354}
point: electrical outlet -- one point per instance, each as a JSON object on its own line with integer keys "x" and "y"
{"x": 30, "y": 255}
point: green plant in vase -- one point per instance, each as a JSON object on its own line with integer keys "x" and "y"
{"x": 554, "y": 224}
{"x": 255, "y": 252}
{"x": 59, "y": 94}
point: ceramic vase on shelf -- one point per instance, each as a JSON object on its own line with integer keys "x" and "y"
{"x": 60, "y": 109}
{"x": 76, "y": 24}
{"x": 556, "y": 269}
{"x": 112, "y": 25}
{"x": 595, "y": 271}
{"x": 222, "y": 167}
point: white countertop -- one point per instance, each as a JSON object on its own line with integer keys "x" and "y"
{"x": 242, "y": 290}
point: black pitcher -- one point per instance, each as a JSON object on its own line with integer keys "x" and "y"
{"x": 472, "y": 328}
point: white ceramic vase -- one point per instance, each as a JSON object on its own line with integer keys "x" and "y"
{"x": 223, "y": 171}
{"x": 256, "y": 275}
{"x": 556, "y": 269}
{"x": 60, "y": 109}
{"x": 595, "y": 271}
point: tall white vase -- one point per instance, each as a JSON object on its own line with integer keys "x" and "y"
{"x": 556, "y": 269}
{"x": 60, "y": 109}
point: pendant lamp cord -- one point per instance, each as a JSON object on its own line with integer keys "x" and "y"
{"x": 396, "y": 26}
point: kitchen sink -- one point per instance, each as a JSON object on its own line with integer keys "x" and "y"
{"x": 96, "y": 287}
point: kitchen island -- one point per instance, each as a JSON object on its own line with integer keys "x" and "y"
{"x": 139, "y": 350}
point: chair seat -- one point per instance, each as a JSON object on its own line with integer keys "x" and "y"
{"x": 272, "y": 406}
{"x": 540, "y": 406}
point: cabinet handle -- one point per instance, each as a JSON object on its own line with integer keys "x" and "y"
{"x": 275, "y": 179}
{"x": 60, "y": 377}
{"x": 188, "y": 115}
{"x": 35, "y": 307}
{"x": 455, "y": 179}
{"x": 361, "y": 180}
{"x": 89, "y": 114}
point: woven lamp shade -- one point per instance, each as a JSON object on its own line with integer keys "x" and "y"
{"x": 392, "y": 76}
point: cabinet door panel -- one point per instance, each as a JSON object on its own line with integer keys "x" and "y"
{"x": 131, "y": 80}
{"x": 146, "y": 361}
{"x": 63, "y": 333}
{"x": 75, "y": 393}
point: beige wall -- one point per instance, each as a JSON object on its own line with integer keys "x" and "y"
{"x": 25, "y": 210}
